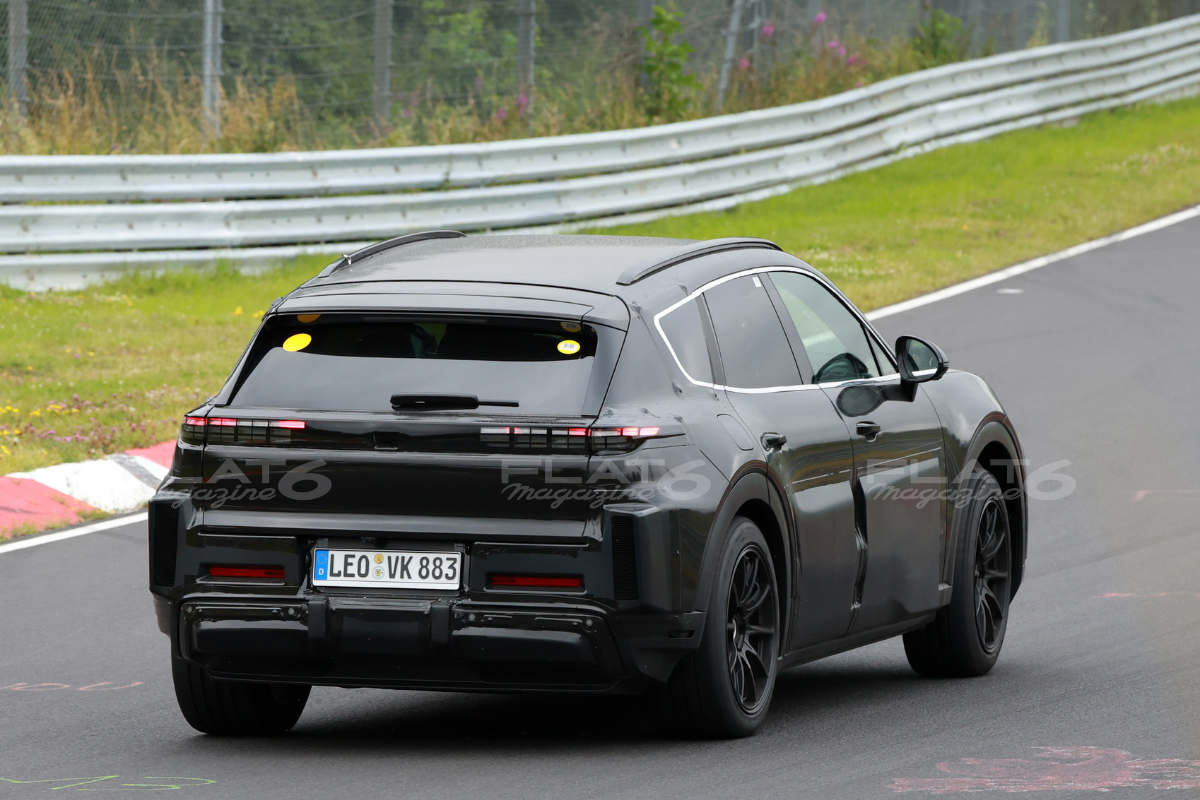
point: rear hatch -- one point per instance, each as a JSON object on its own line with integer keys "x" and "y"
{"x": 408, "y": 422}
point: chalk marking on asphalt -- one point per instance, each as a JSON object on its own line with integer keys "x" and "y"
{"x": 1142, "y": 494}
{"x": 72, "y": 783}
{"x": 104, "y": 686}
{"x": 1108, "y": 595}
{"x": 1057, "y": 768}
{"x": 1037, "y": 263}
{"x": 84, "y": 530}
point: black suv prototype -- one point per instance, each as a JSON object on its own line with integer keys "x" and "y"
{"x": 578, "y": 463}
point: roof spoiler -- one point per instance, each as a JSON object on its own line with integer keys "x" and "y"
{"x": 379, "y": 247}
{"x": 686, "y": 253}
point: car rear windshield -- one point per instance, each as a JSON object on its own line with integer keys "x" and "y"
{"x": 359, "y": 362}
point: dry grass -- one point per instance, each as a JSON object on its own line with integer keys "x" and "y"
{"x": 152, "y": 105}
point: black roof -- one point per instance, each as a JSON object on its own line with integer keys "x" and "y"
{"x": 588, "y": 263}
{"x": 591, "y": 263}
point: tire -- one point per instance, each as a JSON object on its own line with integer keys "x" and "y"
{"x": 965, "y": 638}
{"x": 236, "y": 708}
{"x": 723, "y": 689}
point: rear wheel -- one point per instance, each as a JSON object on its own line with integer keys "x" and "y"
{"x": 236, "y": 708}
{"x": 964, "y": 639}
{"x": 724, "y": 688}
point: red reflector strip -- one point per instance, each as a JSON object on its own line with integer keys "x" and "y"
{"x": 292, "y": 424}
{"x": 536, "y": 580}
{"x": 577, "y": 431}
{"x": 246, "y": 572}
{"x": 194, "y": 421}
{"x": 223, "y": 422}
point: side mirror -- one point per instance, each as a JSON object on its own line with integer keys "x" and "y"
{"x": 920, "y": 361}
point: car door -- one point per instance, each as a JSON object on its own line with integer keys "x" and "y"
{"x": 899, "y": 460}
{"x": 806, "y": 446}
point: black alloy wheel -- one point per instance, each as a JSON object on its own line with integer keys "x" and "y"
{"x": 965, "y": 637}
{"x": 992, "y": 571}
{"x": 750, "y": 628}
{"x": 723, "y": 688}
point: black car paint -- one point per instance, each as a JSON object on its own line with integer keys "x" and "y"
{"x": 487, "y": 639}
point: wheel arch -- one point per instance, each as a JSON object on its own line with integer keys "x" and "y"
{"x": 754, "y": 495}
{"x": 995, "y": 448}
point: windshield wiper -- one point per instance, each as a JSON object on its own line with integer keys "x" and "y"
{"x": 444, "y": 402}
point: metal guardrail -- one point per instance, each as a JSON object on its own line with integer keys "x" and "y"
{"x": 657, "y": 170}
{"x": 227, "y": 176}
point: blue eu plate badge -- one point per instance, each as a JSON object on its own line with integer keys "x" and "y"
{"x": 321, "y": 568}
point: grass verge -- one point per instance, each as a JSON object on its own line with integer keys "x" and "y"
{"x": 116, "y": 366}
{"x": 937, "y": 219}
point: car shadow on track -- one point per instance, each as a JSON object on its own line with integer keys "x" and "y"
{"x": 378, "y": 721}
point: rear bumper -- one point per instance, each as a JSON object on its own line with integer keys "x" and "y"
{"x": 416, "y": 643}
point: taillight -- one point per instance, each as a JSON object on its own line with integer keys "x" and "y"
{"x": 571, "y": 440}
{"x": 193, "y": 430}
{"x": 232, "y": 430}
{"x": 621, "y": 439}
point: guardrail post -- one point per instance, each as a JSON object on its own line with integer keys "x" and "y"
{"x": 731, "y": 40}
{"x": 645, "y": 9}
{"x": 18, "y": 55}
{"x": 381, "y": 88}
{"x": 526, "y": 29}
{"x": 976, "y": 24}
{"x": 1062, "y": 21}
{"x": 211, "y": 68}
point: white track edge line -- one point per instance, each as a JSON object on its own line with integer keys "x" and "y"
{"x": 95, "y": 527}
{"x": 1037, "y": 263}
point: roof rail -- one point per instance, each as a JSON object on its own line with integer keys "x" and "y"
{"x": 379, "y": 247}
{"x": 686, "y": 253}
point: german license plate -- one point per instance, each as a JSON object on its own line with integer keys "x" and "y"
{"x": 387, "y": 569}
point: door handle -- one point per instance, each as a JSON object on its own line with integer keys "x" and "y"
{"x": 867, "y": 429}
{"x": 773, "y": 441}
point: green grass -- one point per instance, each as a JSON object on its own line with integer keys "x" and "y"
{"x": 937, "y": 219}
{"x": 116, "y": 366}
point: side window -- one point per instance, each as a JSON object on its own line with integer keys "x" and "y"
{"x": 834, "y": 339}
{"x": 685, "y": 334}
{"x": 754, "y": 348}
{"x": 885, "y": 365}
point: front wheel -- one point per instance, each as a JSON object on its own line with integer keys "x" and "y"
{"x": 236, "y": 708}
{"x": 724, "y": 688}
{"x": 964, "y": 639}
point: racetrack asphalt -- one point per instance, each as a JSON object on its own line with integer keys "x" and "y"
{"x": 1096, "y": 360}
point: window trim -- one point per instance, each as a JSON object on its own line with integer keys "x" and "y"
{"x": 821, "y": 279}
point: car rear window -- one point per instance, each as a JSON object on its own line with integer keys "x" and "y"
{"x": 357, "y": 362}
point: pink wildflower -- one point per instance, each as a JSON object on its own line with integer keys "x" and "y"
{"x": 767, "y": 31}
{"x": 820, "y": 18}
{"x": 834, "y": 45}
{"x": 501, "y": 114}
{"x": 522, "y": 104}
{"x": 744, "y": 64}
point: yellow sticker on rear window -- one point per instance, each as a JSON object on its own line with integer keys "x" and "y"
{"x": 307, "y": 318}
{"x": 571, "y": 327}
{"x": 568, "y": 347}
{"x": 296, "y": 342}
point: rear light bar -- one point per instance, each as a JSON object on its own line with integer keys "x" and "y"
{"x": 275, "y": 573}
{"x": 578, "y": 440}
{"x": 537, "y": 580}
{"x": 230, "y": 430}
